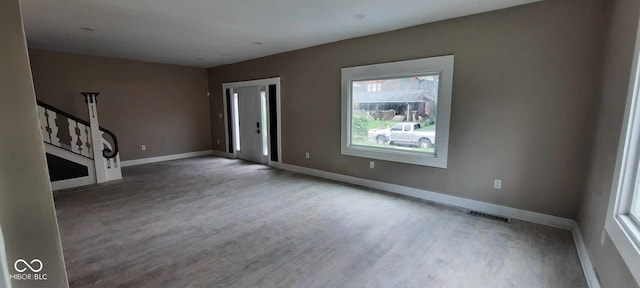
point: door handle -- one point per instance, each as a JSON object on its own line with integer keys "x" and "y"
{"x": 258, "y": 125}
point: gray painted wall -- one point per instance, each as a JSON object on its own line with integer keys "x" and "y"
{"x": 164, "y": 107}
{"x": 27, "y": 214}
{"x": 525, "y": 86}
{"x": 616, "y": 74}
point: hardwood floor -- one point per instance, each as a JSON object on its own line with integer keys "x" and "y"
{"x": 215, "y": 222}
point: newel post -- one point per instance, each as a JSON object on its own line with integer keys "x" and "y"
{"x": 96, "y": 136}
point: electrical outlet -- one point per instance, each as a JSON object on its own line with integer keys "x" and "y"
{"x": 143, "y": 147}
{"x": 372, "y": 164}
{"x": 603, "y": 237}
{"x": 306, "y": 155}
{"x": 497, "y": 184}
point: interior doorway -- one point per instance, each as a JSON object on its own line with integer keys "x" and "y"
{"x": 252, "y": 120}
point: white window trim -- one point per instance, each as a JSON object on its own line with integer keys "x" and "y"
{"x": 442, "y": 65}
{"x": 624, "y": 232}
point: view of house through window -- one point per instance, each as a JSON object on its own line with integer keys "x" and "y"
{"x": 396, "y": 114}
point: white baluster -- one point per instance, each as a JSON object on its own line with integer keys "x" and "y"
{"x": 84, "y": 139}
{"x": 43, "y": 124}
{"x": 52, "y": 116}
{"x": 74, "y": 136}
{"x": 89, "y": 146}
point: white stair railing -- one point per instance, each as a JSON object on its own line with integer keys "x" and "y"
{"x": 86, "y": 138}
{"x": 80, "y": 143}
{"x": 80, "y": 138}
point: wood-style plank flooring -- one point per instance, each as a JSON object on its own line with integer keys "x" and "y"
{"x": 215, "y": 222}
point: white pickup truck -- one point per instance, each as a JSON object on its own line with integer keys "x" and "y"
{"x": 404, "y": 133}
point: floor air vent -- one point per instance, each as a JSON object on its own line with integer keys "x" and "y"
{"x": 489, "y": 216}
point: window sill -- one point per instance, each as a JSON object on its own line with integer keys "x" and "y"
{"x": 407, "y": 157}
{"x": 625, "y": 236}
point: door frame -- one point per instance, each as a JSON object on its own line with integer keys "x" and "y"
{"x": 259, "y": 82}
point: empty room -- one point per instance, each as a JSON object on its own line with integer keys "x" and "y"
{"x": 283, "y": 143}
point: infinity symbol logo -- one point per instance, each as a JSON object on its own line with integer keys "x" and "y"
{"x": 28, "y": 265}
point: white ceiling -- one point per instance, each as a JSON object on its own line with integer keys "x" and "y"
{"x": 223, "y": 31}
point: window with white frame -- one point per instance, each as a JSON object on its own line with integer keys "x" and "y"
{"x": 623, "y": 216}
{"x": 398, "y": 111}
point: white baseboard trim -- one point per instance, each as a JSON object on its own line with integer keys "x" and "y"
{"x": 585, "y": 260}
{"x": 520, "y": 214}
{"x": 164, "y": 158}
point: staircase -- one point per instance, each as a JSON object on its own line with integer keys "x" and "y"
{"x": 77, "y": 151}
